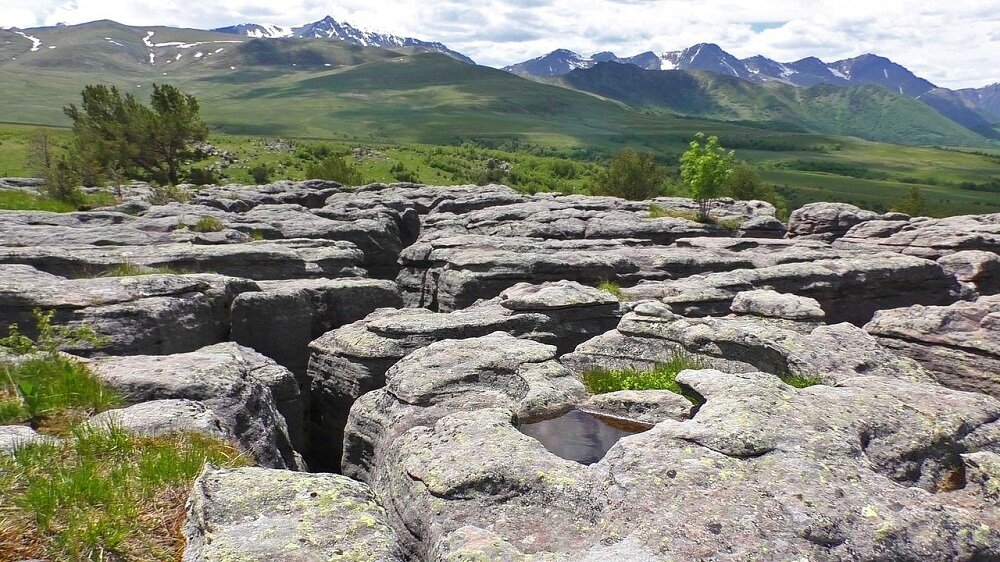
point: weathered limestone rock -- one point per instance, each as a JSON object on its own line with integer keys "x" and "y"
{"x": 927, "y": 238}
{"x": 311, "y": 194}
{"x": 874, "y": 466}
{"x": 652, "y": 335}
{"x": 849, "y": 289}
{"x": 352, "y": 360}
{"x": 772, "y": 304}
{"x": 283, "y": 259}
{"x": 976, "y": 270}
{"x": 152, "y": 314}
{"x": 644, "y": 406}
{"x": 162, "y": 417}
{"x": 281, "y": 319}
{"x": 14, "y": 436}
{"x": 256, "y": 400}
{"x": 261, "y": 515}
{"x": 958, "y": 344}
{"x": 829, "y": 221}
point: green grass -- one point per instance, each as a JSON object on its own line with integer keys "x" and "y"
{"x": 21, "y": 201}
{"x": 799, "y": 381}
{"x": 129, "y": 269}
{"x": 102, "y": 494}
{"x": 662, "y": 377}
{"x": 207, "y": 224}
{"x": 612, "y": 288}
{"x": 62, "y": 391}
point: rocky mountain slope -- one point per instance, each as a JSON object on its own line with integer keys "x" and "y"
{"x": 974, "y": 109}
{"x": 428, "y": 343}
{"x": 329, "y": 28}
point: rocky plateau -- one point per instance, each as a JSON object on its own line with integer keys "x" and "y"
{"x": 380, "y": 352}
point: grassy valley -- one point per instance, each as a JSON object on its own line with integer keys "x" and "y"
{"x": 428, "y": 118}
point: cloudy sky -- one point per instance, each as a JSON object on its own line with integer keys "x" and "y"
{"x": 953, "y": 43}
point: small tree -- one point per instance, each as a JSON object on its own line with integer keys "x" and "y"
{"x": 148, "y": 143}
{"x": 705, "y": 167}
{"x": 40, "y": 156}
{"x": 631, "y": 175}
{"x": 912, "y": 204}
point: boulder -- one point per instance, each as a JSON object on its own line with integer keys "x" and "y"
{"x": 262, "y": 515}
{"x": 151, "y": 314}
{"x": 643, "y": 406}
{"x": 826, "y": 221}
{"x": 162, "y": 417}
{"x": 976, "y": 270}
{"x": 958, "y": 344}
{"x": 14, "y": 436}
{"x": 772, "y": 304}
{"x": 256, "y": 400}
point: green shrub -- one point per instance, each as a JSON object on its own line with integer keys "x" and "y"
{"x": 662, "y": 377}
{"x": 207, "y": 224}
{"x": 261, "y": 174}
{"x": 334, "y": 168}
{"x": 631, "y": 175}
{"x": 164, "y": 194}
{"x": 203, "y": 176}
{"x": 103, "y": 494}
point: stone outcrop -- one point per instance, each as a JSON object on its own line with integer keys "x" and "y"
{"x": 256, "y": 514}
{"x": 848, "y": 289}
{"x": 958, "y": 344}
{"x": 830, "y": 221}
{"x": 162, "y": 417}
{"x": 152, "y": 314}
{"x": 256, "y": 400}
{"x": 350, "y": 361}
{"x": 651, "y": 334}
{"x": 872, "y": 466}
{"x": 924, "y": 237}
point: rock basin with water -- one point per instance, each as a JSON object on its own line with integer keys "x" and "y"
{"x": 580, "y": 436}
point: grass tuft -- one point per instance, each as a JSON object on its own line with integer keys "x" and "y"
{"x": 129, "y": 269}
{"x": 207, "y": 224}
{"x": 662, "y": 377}
{"x": 658, "y": 212}
{"x": 103, "y": 494}
{"x": 799, "y": 381}
{"x": 613, "y": 288}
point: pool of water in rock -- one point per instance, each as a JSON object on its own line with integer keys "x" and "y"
{"x": 579, "y": 436}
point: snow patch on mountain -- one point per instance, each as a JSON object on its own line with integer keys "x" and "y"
{"x": 36, "y": 43}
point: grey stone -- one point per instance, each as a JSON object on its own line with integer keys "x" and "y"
{"x": 162, "y": 417}
{"x": 771, "y": 304}
{"x": 927, "y": 238}
{"x": 261, "y": 515}
{"x": 644, "y": 406}
{"x": 256, "y": 400}
{"x": 14, "y": 436}
{"x": 958, "y": 344}
{"x": 826, "y": 221}
{"x": 152, "y": 314}
{"x": 977, "y": 270}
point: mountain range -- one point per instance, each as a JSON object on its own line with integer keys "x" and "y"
{"x": 975, "y": 109}
{"x": 329, "y": 28}
{"x": 346, "y": 78}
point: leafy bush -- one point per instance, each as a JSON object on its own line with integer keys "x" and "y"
{"x": 261, "y": 174}
{"x": 662, "y": 377}
{"x": 203, "y": 176}
{"x": 164, "y": 194}
{"x": 103, "y": 494}
{"x": 334, "y": 168}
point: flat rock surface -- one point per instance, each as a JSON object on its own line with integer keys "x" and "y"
{"x": 261, "y": 515}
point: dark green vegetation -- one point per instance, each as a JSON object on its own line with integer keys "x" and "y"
{"x": 430, "y": 119}
{"x": 631, "y": 175}
{"x": 663, "y": 377}
{"x": 705, "y": 168}
{"x": 102, "y": 494}
{"x": 51, "y": 393}
{"x": 207, "y": 224}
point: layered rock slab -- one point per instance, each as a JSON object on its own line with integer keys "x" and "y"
{"x": 151, "y": 314}
{"x": 958, "y": 344}
{"x": 256, "y": 400}
{"x": 924, "y": 237}
{"x": 261, "y": 515}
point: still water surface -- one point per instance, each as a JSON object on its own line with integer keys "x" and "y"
{"x": 579, "y": 436}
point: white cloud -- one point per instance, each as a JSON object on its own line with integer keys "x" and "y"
{"x": 952, "y": 43}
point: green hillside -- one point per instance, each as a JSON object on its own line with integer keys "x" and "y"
{"x": 406, "y": 103}
{"x": 868, "y": 111}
